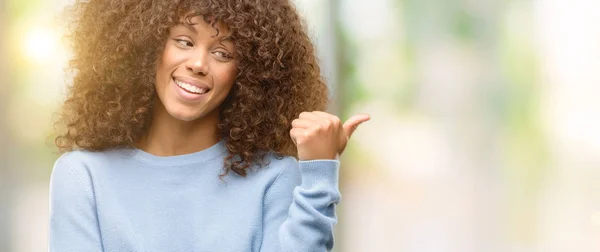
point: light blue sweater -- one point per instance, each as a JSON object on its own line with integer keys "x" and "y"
{"x": 129, "y": 200}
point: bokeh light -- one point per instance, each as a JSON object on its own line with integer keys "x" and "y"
{"x": 41, "y": 45}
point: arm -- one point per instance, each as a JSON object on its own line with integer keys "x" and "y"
{"x": 73, "y": 219}
{"x": 301, "y": 218}
{"x": 304, "y": 222}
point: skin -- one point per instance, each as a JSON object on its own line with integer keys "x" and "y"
{"x": 319, "y": 135}
{"x": 185, "y": 123}
{"x": 194, "y": 55}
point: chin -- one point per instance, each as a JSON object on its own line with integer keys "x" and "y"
{"x": 183, "y": 114}
{"x": 186, "y": 117}
{"x": 188, "y": 113}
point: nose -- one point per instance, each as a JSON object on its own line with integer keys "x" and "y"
{"x": 198, "y": 63}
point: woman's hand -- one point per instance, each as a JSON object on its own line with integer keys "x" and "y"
{"x": 319, "y": 135}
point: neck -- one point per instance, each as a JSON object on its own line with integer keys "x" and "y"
{"x": 169, "y": 136}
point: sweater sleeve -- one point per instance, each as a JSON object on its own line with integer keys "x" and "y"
{"x": 73, "y": 220}
{"x": 299, "y": 207}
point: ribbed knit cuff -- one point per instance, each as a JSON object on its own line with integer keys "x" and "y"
{"x": 316, "y": 172}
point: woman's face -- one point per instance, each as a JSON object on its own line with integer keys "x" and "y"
{"x": 197, "y": 70}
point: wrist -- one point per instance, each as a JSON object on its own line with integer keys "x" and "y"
{"x": 318, "y": 157}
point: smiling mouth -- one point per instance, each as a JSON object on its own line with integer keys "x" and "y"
{"x": 190, "y": 88}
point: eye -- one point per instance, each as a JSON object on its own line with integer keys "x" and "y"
{"x": 223, "y": 55}
{"x": 184, "y": 42}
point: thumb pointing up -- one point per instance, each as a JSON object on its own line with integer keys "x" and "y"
{"x": 351, "y": 124}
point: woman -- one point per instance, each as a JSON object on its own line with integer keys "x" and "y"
{"x": 182, "y": 129}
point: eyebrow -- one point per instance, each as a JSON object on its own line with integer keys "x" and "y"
{"x": 228, "y": 38}
{"x": 190, "y": 27}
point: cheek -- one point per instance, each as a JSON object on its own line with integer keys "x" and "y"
{"x": 161, "y": 71}
{"x": 232, "y": 73}
{"x": 227, "y": 76}
{"x": 169, "y": 60}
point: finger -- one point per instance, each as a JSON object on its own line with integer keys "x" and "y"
{"x": 302, "y": 123}
{"x": 327, "y": 120}
{"x": 309, "y": 116}
{"x": 332, "y": 118}
{"x": 351, "y": 124}
{"x": 297, "y": 134}
{"x": 322, "y": 114}
{"x": 314, "y": 119}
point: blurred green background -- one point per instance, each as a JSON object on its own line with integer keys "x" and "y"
{"x": 484, "y": 132}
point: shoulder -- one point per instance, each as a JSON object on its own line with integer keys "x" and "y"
{"x": 281, "y": 162}
{"x": 277, "y": 164}
{"x": 72, "y": 183}
{"x": 85, "y": 157}
{"x": 281, "y": 170}
{"x": 70, "y": 177}
{"x": 271, "y": 169}
{"x": 82, "y": 162}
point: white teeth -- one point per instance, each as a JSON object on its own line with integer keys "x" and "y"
{"x": 190, "y": 88}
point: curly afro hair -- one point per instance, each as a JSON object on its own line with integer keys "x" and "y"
{"x": 117, "y": 45}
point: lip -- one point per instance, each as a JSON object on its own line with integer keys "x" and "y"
{"x": 192, "y": 82}
{"x": 187, "y": 96}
